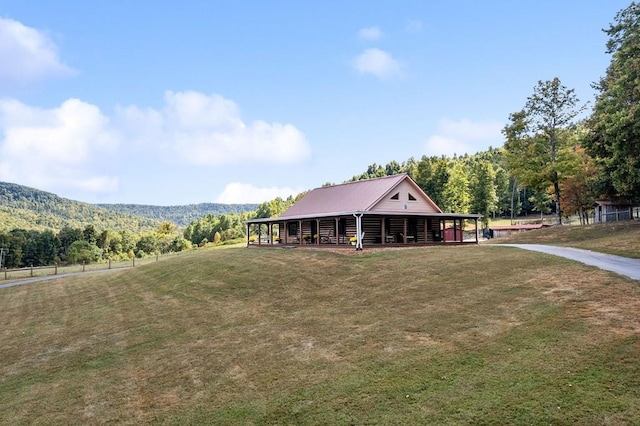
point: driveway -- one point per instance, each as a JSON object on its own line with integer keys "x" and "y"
{"x": 618, "y": 264}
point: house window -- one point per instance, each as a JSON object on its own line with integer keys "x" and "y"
{"x": 412, "y": 198}
{"x": 293, "y": 228}
{"x": 396, "y": 196}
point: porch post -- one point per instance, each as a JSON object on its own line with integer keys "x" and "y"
{"x": 317, "y": 232}
{"x": 443, "y": 230}
{"x": 248, "y": 227}
{"x": 455, "y": 230}
{"x": 358, "y": 230}
{"x": 336, "y": 230}
{"x": 300, "y": 232}
{"x": 383, "y": 231}
{"x": 404, "y": 231}
{"x": 476, "y": 220}
{"x": 426, "y": 239}
{"x": 259, "y": 234}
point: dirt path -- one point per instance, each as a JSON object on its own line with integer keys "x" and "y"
{"x": 618, "y": 264}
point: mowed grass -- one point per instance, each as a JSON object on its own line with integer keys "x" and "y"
{"x": 619, "y": 238}
{"x": 432, "y": 335}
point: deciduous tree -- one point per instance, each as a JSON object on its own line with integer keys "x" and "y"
{"x": 537, "y": 137}
{"x": 483, "y": 190}
{"x": 455, "y": 195}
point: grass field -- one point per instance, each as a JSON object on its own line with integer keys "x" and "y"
{"x": 432, "y": 335}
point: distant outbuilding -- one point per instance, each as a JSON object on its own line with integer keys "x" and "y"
{"x": 506, "y": 230}
{"x": 613, "y": 211}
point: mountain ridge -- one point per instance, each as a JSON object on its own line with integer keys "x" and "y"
{"x": 31, "y": 208}
{"x": 181, "y": 215}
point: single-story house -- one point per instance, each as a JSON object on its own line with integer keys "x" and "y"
{"x": 391, "y": 210}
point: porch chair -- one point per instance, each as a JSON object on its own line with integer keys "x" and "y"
{"x": 326, "y": 239}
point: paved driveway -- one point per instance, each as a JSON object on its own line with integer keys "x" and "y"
{"x": 618, "y": 264}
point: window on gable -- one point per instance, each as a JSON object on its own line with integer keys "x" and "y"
{"x": 412, "y": 198}
{"x": 396, "y": 196}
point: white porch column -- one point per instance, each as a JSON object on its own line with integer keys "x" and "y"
{"x": 358, "y": 217}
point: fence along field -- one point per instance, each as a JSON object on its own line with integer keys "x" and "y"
{"x": 16, "y": 274}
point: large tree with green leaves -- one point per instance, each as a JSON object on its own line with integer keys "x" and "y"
{"x": 538, "y": 141}
{"x": 456, "y": 198}
{"x": 615, "y": 123}
{"x": 483, "y": 190}
{"x": 432, "y": 174}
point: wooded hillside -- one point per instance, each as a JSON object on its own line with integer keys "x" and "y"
{"x": 29, "y": 208}
{"x": 180, "y": 215}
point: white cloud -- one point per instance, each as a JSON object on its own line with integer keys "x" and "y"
{"x": 370, "y": 33}
{"x": 208, "y": 130}
{"x": 463, "y": 136}
{"x": 55, "y": 148}
{"x": 27, "y": 54}
{"x": 238, "y": 193}
{"x": 77, "y": 147}
{"x": 377, "y": 62}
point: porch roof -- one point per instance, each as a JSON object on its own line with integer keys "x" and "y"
{"x": 351, "y": 213}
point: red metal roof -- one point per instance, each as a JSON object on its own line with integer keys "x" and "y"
{"x": 347, "y": 197}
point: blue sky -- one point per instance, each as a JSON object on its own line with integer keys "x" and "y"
{"x": 172, "y": 103}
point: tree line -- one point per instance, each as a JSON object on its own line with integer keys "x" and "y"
{"x": 180, "y": 215}
{"x": 24, "y": 248}
{"x": 226, "y": 228}
{"x": 479, "y": 183}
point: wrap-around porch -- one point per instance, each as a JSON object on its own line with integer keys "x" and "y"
{"x": 364, "y": 229}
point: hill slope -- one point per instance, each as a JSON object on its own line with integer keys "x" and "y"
{"x": 180, "y": 215}
{"x": 30, "y": 208}
{"x": 252, "y": 336}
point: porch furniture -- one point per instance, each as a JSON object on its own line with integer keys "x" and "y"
{"x": 327, "y": 239}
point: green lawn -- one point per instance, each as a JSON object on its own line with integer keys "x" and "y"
{"x": 432, "y": 335}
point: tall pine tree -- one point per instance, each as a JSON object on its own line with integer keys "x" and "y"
{"x": 615, "y": 123}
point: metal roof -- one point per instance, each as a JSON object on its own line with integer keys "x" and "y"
{"x": 359, "y": 196}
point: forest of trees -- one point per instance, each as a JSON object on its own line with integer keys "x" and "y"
{"x": 229, "y": 227}
{"x": 24, "y": 248}
{"x": 180, "y": 215}
{"x": 29, "y": 208}
{"x": 476, "y": 183}
{"x": 39, "y": 228}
